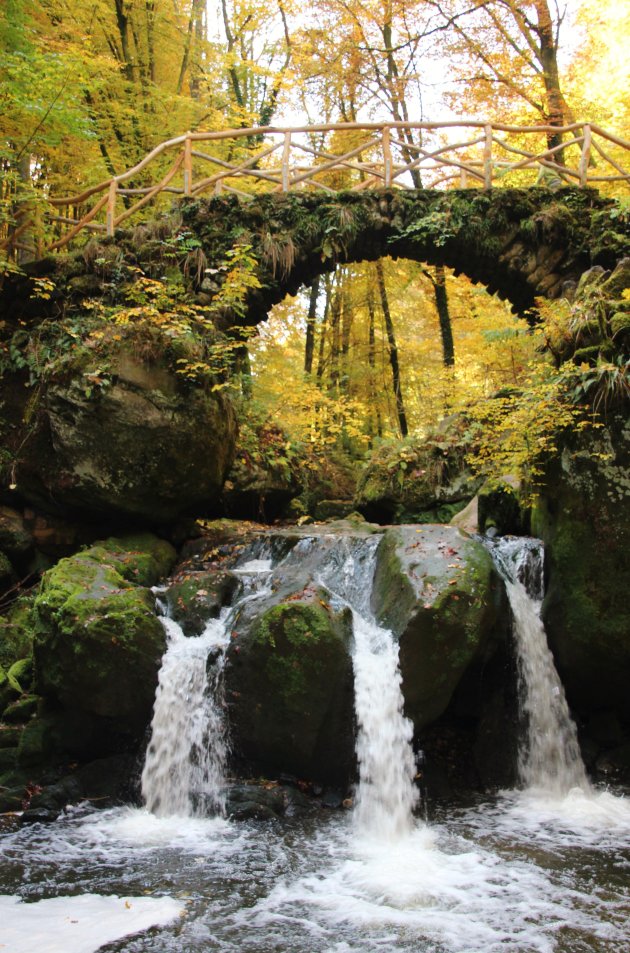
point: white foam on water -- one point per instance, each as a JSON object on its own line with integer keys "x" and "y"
{"x": 417, "y": 895}
{"x": 598, "y": 820}
{"x": 253, "y": 566}
{"x": 79, "y": 924}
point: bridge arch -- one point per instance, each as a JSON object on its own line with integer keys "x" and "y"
{"x": 520, "y": 243}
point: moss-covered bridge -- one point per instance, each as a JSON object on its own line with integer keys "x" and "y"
{"x": 520, "y": 243}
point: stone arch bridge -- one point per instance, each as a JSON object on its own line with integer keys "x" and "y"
{"x": 520, "y": 243}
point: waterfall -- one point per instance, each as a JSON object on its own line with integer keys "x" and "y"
{"x": 550, "y": 760}
{"x": 386, "y": 794}
{"x": 185, "y": 760}
{"x": 184, "y": 766}
{"x": 183, "y": 769}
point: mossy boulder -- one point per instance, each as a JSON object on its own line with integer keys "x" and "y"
{"x": 413, "y": 481}
{"x": 438, "y": 591}
{"x": 138, "y": 443}
{"x": 289, "y": 689}
{"x": 200, "y": 596}
{"x": 583, "y": 516}
{"x": 98, "y": 642}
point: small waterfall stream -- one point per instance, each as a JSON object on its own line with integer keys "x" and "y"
{"x": 184, "y": 768}
{"x": 550, "y": 759}
{"x": 386, "y": 795}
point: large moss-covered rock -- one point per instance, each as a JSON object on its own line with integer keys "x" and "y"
{"x": 437, "y": 590}
{"x": 98, "y": 642}
{"x": 139, "y": 444}
{"x": 289, "y": 690}
{"x": 584, "y": 519}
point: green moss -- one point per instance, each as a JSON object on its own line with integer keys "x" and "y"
{"x": 98, "y": 641}
{"x": 16, "y": 632}
{"x": 21, "y": 673}
{"x": 299, "y": 636}
{"x": 22, "y": 709}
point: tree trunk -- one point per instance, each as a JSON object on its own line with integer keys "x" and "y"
{"x": 393, "y": 350}
{"x": 309, "y": 347}
{"x": 444, "y": 317}
{"x": 556, "y": 106}
{"x": 375, "y": 423}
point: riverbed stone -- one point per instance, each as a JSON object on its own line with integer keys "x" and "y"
{"x": 437, "y": 590}
{"x": 200, "y": 596}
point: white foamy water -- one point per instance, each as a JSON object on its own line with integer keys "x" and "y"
{"x": 184, "y": 765}
{"x": 550, "y": 760}
{"x": 386, "y": 795}
{"x": 80, "y": 924}
{"x": 184, "y": 768}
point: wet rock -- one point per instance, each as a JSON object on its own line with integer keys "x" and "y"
{"x": 438, "y": 591}
{"x": 583, "y": 517}
{"x": 256, "y": 802}
{"x": 201, "y": 596}
{"x": 289, "y": 688}
{"x": 39, "y": 815}
{"x": 11, "y": 799}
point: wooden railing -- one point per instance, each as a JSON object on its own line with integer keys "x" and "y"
{"x": 346, "y": 156}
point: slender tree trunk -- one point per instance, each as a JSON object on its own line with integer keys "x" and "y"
{"x": 245, "y": 368}
{"x": 309, "y": 347}
{"x": 393, "y": 350}
{"x": 444, "y": 317}
{"x": 335, "y": 315}
{"x": 375, "y": 423}
{"x": 323, "y": 333}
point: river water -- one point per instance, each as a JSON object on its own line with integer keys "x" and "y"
{"x": 545, "y": 869}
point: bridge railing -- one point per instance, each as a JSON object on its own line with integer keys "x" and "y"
{"x": 355, "y": 156}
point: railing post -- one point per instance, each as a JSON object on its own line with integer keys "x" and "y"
{"x": 387, "y": 157}
{"x": 585, "y": 158}
{"x": 188, "y": 171}
{"x": 286, "y": 156}
{"x": 487, "y": 158}
{"x": 111, "y": 208}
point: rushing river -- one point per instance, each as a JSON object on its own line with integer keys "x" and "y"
{"x": 545, "y": 869}
{"x": 518, "y": 873}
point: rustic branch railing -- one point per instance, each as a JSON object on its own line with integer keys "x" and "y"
{"x": 352, "y": 156}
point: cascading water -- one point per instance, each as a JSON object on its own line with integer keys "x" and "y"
{"x": 522, "y": 872}
{"x": 386, "y": 795}
{"x": 185, "y": 761}
{"x": 183, "y": 768}
{"x": 550, "y": 759}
